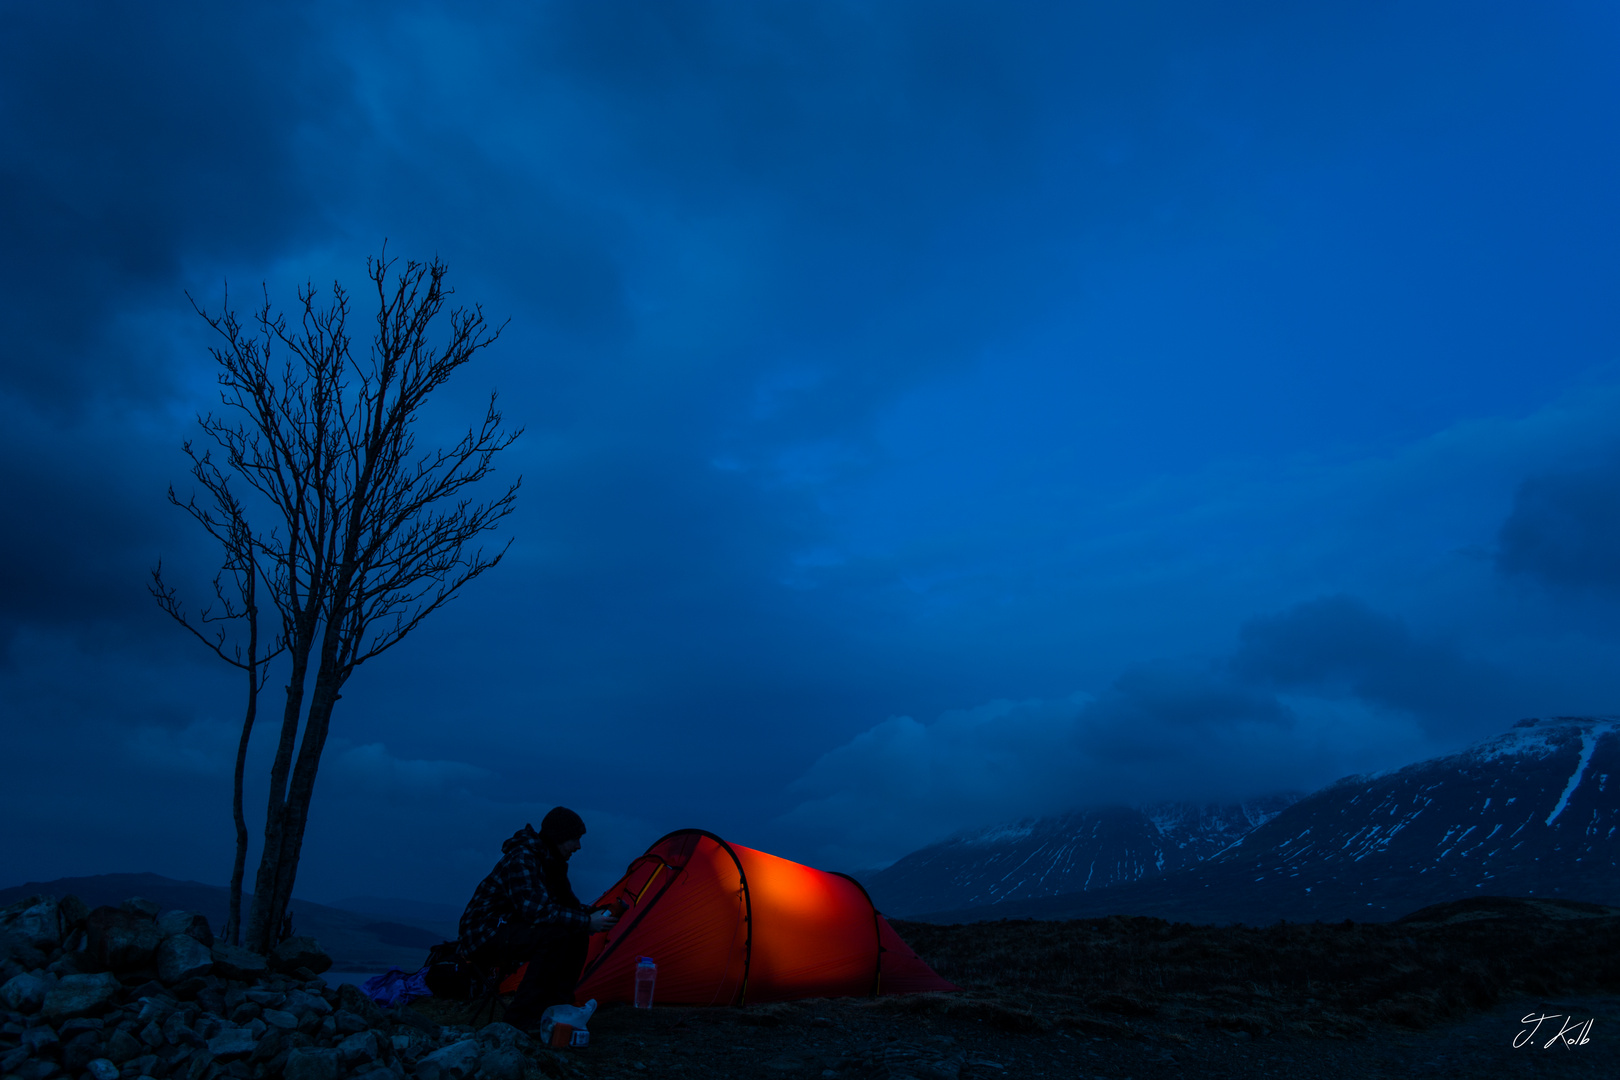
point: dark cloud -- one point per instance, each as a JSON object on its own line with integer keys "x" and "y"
{"x": 1338, "y": 646}
{"x": 1180, "y": 696}
{"x": 1320, "y": 690}
{"x": 1564, "y": 530}
{"x": 875, "y": 359}
{"x": 133, "y": 142}
{"x": 85, "y": 521}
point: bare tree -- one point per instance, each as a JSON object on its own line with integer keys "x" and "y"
{"x": 226, "y": 521}
{"x": 371, "y": 536}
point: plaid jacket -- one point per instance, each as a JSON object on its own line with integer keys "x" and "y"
{"x": 515, "y": 891}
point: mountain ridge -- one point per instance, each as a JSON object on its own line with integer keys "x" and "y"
{"x": 1072, "y": 852}
{"x": 1378, "y": 846}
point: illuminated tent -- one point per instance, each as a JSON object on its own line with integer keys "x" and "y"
{"x": 728, "y": 925}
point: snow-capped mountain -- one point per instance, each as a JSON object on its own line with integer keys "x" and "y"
{"x": 1065, "y": 853}
{"x": 1533, "y": 812}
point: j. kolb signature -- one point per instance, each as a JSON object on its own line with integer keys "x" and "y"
{"x": 1571, "y": 1032}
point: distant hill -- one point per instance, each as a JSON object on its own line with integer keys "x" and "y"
{"x": 442, "y": 919}
{"x": 1066, "y": 853}
{"x": 1527, "y": 813}
{"x": 356, "y": 940}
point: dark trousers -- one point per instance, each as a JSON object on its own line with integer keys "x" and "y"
{"x": 555, "y": 954}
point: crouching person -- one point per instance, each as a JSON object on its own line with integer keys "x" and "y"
{"x": 526, "y": 912}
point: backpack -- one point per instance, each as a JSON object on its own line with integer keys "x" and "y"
{"x": 449, "y": 975}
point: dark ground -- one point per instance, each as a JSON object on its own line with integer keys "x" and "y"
{"x": 1439, "y": 994}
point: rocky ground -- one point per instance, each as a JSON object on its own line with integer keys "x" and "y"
{"x": 130, "y": 992}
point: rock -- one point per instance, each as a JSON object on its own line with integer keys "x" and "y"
{"x": 411, "y": 1018}
{"x": 42, "y": 1042}
{"x": 230, "y": 1044}
{"x": 347, "y": 1023}
{"x": 359, "y": 1047}
{"x": 152, "y": 1034}
{"x": 197, "y": 1068}
{"x": 302, "y": 1003}
{"x": 190, "y": 923}
{"x": 177, "y": 1032}
{"x": 10, "y": 911}
{"x": 11, "y": 1059}
{"x": 357, "y": 1001}
{"x": 146, "y": 909}
{"x": 273, "y": 1043}
{"x": 74, "y": 963}
{"x": 269, "y": 999}
{"x": 310, "y": 1063}
{"x": 155, "y": 1005}
{"x": 209, "y": 996}
{"x": 280, "y": 1018}
{"x": 102, "y": 1069}
{"x": 72, "y": 911}
{"x": 15, "y": 950}
{"x": 235, "y": 962}
{"x": 141, "y": 1066}
{"x": 24, "y": 994}
{"x": 208, "y": 1025}
{"x": 299, "y": 952}
{"x": 182, "y": 957}
{"x": 122, "y": 1046}
{"x": 80, "y": 995}
{"x": 37, "y": 1069}
{"x": 79, "y": 1051}
{"x": 35, "y": 922}
{"x": 121, "y": 940}
{"x": 457, "y": 1061}
{"x": 502, "y": 1065}
{"x": 185, "y": 989}
{"x": 69, "y": 1028}
{"x": 786, "y": 1063}
{"x": 504, "y": 1036}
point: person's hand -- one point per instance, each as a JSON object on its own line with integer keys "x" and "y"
{"x": 603, "y": 921}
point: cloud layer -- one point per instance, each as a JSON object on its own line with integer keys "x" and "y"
{"x": 1159, "y": 401}
{"x": 1564, "y": 529}
{"x": 1324, "y": 689}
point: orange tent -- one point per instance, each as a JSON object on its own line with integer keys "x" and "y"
{"x": 728, "y": 925}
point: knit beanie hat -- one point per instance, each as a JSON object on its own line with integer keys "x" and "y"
{"x": 561, "y": 825}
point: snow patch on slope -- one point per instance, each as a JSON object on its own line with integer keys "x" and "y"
{"x": 999, "y": 834}
{"x": 1589, "y": 741}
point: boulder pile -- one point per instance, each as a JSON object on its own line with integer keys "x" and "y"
{"x": 132, "y": 992}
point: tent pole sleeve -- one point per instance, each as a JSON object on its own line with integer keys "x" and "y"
{"x": 613, "y": 945}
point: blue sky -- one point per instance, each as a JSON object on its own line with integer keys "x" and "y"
{"x": 936, "y": 413}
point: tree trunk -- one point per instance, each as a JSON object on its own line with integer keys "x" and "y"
{"x": 262, "y": 928}
{"x": 330, "y": 675}
{"x": 295, "y": 814}
{"x": 233, "y": 925}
